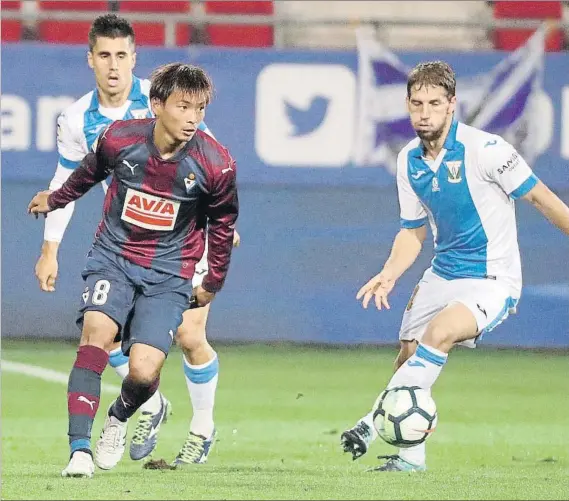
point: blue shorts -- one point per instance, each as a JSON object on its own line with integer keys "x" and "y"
{"x": 147, "y": 305}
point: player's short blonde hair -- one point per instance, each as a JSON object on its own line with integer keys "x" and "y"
{"x": 434, "y": 74}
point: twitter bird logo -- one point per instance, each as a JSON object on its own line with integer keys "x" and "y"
{"x": 304, "y": 115}
{"x": 305, "y": 121}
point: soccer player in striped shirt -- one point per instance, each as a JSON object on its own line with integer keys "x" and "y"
{"x": 171, "y": 184}
{"x": 120, "y": 95}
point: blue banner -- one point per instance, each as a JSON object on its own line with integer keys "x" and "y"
{"x": 293, "y": 117}
{"x": 316, "y": 220}
{"x": 303, "y": 256}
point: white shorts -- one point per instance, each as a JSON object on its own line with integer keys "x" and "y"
{"x": 488, "y": 300}
{"x": 201, "y": 269}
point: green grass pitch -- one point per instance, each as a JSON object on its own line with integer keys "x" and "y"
{"x": 503, "y": 428}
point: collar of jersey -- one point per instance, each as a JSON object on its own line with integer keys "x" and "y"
{"x": 134, "y": 95}
{"x": 154, "y": 151}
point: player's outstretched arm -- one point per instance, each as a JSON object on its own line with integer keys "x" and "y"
{"x": 47, "y": 267}
{"x": 405, "y": 250}
{"x": 550, "y": 205}
{"x": 56, "y": 223}
{"x": 88, "y": 174}
{"x": 72, "y": 148}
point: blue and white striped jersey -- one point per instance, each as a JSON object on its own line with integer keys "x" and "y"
{"x": 467, "y": 195}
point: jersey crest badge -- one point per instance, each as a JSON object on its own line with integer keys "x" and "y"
{"x": 190, "y": 182}
{"x": 454, "y": 175}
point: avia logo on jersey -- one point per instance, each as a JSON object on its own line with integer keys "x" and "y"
{"x": 511, "y": 164}
{"x": 150, "y": 212}
{"x": 303, "y": 114}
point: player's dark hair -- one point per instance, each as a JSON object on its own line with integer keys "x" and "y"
{"x": 185, "y": 78}
{"x": 434, "y": 74}
{"x": 110, "y": 26}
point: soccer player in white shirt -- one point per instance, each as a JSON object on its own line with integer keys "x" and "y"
{"x": 121, "y": 95}
{"x": 463, "y": 182}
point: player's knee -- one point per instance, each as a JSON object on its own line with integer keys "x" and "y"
{"x": 191, "y": 334}
{"x": 438, "y": 335}
{"x": 143, "y": 374}
{"x": 192, "y": 347}
{"x": 98, "y": 330}
{"x": 145, "y": 363}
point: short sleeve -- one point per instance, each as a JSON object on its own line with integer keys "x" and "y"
{"x": 413, "y": 214}
{"x": 505, "y": 166}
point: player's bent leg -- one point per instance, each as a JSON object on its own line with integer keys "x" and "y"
{"x": 358, "y": 439}
{"x": 201, "y": 369}
{"x": 153, "y": 413}
{"x": 152, "y": 328}
{"x": 410, "y": 458}
{"x": 191, "y": 336}
{"x": 453, "y": 324}
{"x": 145, "y": 363}
{"x": 84, "y": 388}
{"x": 155, "y": 410}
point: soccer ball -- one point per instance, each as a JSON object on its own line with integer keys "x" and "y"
{"x": 405, "y": 416}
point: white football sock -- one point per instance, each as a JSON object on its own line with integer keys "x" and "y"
{"x": 202, "y": 383}
{"x": 422, "y": 369}
{"x": 153, "y": 404}
{"x": 416, "y": 455}
{"x": 119, "y": 362}
{"x": 368, "y": 419}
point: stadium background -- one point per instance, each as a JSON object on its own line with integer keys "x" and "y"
{"x": 312, "y": 233}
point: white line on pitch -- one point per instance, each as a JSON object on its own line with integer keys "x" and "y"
{"x": 47, "y": 374}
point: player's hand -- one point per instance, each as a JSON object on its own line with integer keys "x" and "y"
{"x": 202, "y": 296}
{"x": 236, "y": 239}
{"x": 39, "y": 204}
{"x": 46, "y": 271}
{"x": 379, "y": 288}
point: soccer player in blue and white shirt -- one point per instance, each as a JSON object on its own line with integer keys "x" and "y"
{"x": 463, "y": 182}
{"x": 120, "y": 95}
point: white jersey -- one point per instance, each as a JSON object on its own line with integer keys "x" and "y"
{"x": 467, "y": 195}
{"x": 77, "y": 129}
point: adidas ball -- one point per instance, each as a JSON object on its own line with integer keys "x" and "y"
{"x": 405, "y": 416}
